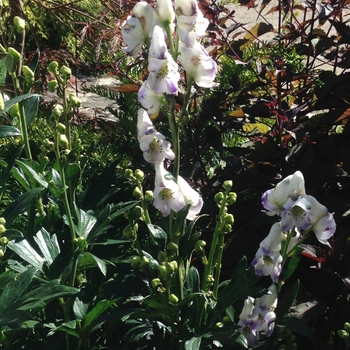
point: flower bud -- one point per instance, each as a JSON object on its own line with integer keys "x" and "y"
{"x": 19, "y": 23}
{"x": 139, "y": 174}
{"x": 343, "y": 334}
{"x": 128, "y": 232}
{"x": 135, "y": 262}
{"x": 63, "y": 141}
{"x": 53, "y": 67}
{"x": 2, "y": 103}
{"x": 3, "y": 241}
{"x": 61, "y": 128}
{"x": 2, "y": 221}
{"x": 74, "y": 101}
{"x": 162, "y": 271}
{"x": 200, "y": 245}
{"x": 219, "y": 197}
{"x": 171, "y": 246}
{"x": 347, "y": 326}
{"x": 227, "y": 185}
{"x": 228, "y": 219}
{"x": 52, "y": 85}
{"x": 128, "y": 173}
{"x": 1, "y": 253}
{"x": 2, "y": 229}
{"x": 15, "y": 54}
{"x": 227, "y": 228}
{"x": 162, "y": 257}
{"x": 155, "y": 283}
{"x": 10, "y": 63}
{"x": 149, "y": 196}
{"x": 66, "y": 72}
{"x": 14, "y": 110}
{"x": 144, "y": 261}
{"x": 173, "y": 299}
{"x": 232, "y": 197}
{"x": 28, "y": 74}
{"x": 57, "y": 112}
{"x": 137, "y": 193}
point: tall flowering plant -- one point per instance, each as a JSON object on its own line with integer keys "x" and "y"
{"x": 191, "y": 307}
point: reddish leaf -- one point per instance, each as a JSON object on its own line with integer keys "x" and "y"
{"x": 345, "y": 115}
{"x": 257, "y": 30}
{"x": 248, "y": 3}
{"x": 127, "y": 88}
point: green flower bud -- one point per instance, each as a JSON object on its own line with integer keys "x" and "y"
{"x": 228, "y": 219}
{"x": 74, "y": 101}
{"x": 226, "y": 319}
{"x": 162, "y": 257}
{"x": 82, "y": 243}
{"x": 232, "y": 197}
{"x": 15, "y": 54}
{"x": 346, "y": 324}
{"x": 66, "y": 72}
{"x": 19, "y": 23}
{"x": 57, "y": 112}
{"x": 3, "y": 241}
{"x": 227, "y": 185}
{"x": 135, "y": 262}
{"x": 10, "y": 63}
{"x": 139, "y": 174}
{"x": 14, "y": 110}
{"x": 137, "y": 193}
{"x": 2, "y": 221}
{"x": 171, "y": 246}
{"x": 63, "y": 141}
{"x": 52, "y": 85}
{"x": 149, "y": 196}
{"x": 128, "y": 173}
{"x": 343, "y": 334}
{"x": 144, "y": 261}
{"x": 136, "y": 213}
{"x": 53, "y": 67}
{"x": 28, "y": 74}
{"x": 61, "y": 128}
{"x": 227, "y": 228}
{"x": 219, "y": 325}
{"x": 155, "y": 283}
{"x": 173, "y": 298}
{"x": 219, "y": 197}
{"x": 2, "y": 103}
{"x": 1, "y": 253}
{"x": 200, "y": 245}
{"x": 2, "y": 229}
{"x": 128, "y": 232}
{"x": 172, "y": 266}
{"x": 162, "y": 271}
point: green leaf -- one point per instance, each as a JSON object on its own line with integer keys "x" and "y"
{"x": 35, "y": 60}
{"x": 88, "y": 261}
{"x": 158, "y": 234}
{"x": 121, "y": 208}
{"x": 32, "y": 176}
{"x": 14, "y": 290}
{"x": 8, "y": 131}
{"x": 193, "y": 280}
{"x": 79, "y": 309}
{"x": 71, "y": 327}
{"x": 17, "y": 99}
{"x": 290, "y": 265}
{"x": 73, "y": 174}
{"x": 241, "y": 280}
{"x": 101, "y": 225}
{"x": 31, "y": 109}
{"x": 193, "y": 344}
{"x": 48, "y": 245}
{"x": 286, "y": 302}
{"x": 85, "y": 222}
{"x": 37, "y": 297}
{"x": 96, "y": 311}
{"x": 27, "y": 252}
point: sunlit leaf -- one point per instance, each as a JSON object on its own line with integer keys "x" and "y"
{"x": 8, "y": 131}
{"x": 127, "y": 88}
{"x": 256, "y": 128}
{"x": 258, "y": 30}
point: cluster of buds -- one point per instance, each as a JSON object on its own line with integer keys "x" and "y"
{"x": 168, "y": 194}
{"x": 300, "y": 213}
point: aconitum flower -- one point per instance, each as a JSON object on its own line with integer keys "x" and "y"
{"x": 191, "y": 197}
{"x": 322, "y": 222}
{"x": 289, "y": 188}
{"x": 198, "y": 64}
{"x": 152, "y": 143}
{"x": 167, "y": 195}
{"x": 164, "y": 75}
{"x": 258, "y": 316}
{"x": 137, "y": 28}
{"x": 149, "y": 99}
{"x": 165, "y": 14}
{"x": 191, "y": 23}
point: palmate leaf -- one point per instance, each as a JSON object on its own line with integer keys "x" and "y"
{"x": 8, "y": 131}
{"x": 88, "y": 261}
{"x": 48, "y": 245}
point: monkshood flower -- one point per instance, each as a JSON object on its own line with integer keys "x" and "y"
{"x": 191, "y": 23}
{"x": 165, "y": 14}
{"x": 258, "y": 316}
{"x": 137, "y": 28}
{"x": 198, "y": 64}
{"x": 167, "y": 195}
{"x": 268, "y": 258}
{"x": 152, "y": 143}
{"x": 322, "y": 222}
{"x": 164, "y": 75}
{"x": 291, "y": 188}
{"x": 149, "y": 99}
{"x": 191, "y": 197}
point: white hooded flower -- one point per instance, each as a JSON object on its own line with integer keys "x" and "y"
{"x": 149, "y": 99}
{"x": 165, "y": 14}
{"x": 191, "y": 23}
{"x": 198, "y": 64}
{"x": 164, "y": 75}
{"x": 137, "y": 28}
